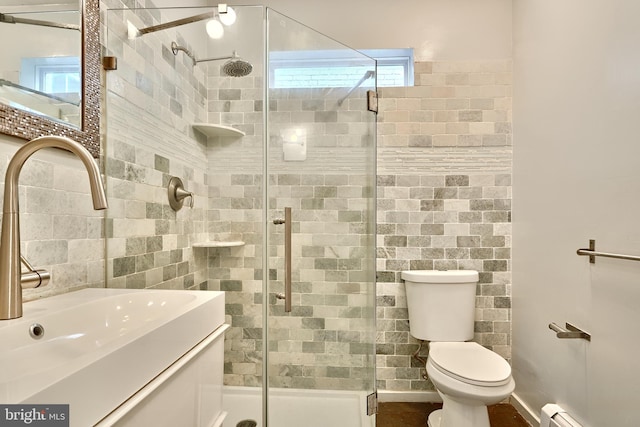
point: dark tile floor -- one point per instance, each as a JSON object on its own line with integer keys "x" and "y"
{"x": 401, "y": 414}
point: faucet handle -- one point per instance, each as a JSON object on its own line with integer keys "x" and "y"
{"x": 33, "y": 278}
{"x": 182, "y": 194}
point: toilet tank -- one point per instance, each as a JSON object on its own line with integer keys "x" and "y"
{"x": 441, "y": 304}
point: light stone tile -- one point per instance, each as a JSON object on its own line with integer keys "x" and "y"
{"x": 456, "y": 229}
{"x": 47, "y": 252}
{"x": 86, "y": 250}
{"x": 443, "y": 241}
{"x": 443, "y": 92}
{"x": 481, "y": 128}
{"x": 37, "y": 173}
{"x": 36, "y": 226}
{"x": 133, "y": 227}
{"x": 476, "y": 180}
{"x": 408, "y": 253}
{"x": 435, "y": 129}
{"x": 396, "y": 116}
{"x": 456, "y": 205}
{"x": 70, "y": 275}
{"x": 408, "y": 128}
{"x": 69, "y": 227}
{"x": 409, "y": 104}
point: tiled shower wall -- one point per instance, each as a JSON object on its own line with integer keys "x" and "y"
{"x": 235, "y": 214}
{"x": 327, "y": 339}
{"x": 152, "y": 100}
{"x": 444, "y": 201}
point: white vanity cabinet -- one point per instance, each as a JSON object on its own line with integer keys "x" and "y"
{"x": 188, "y": 393}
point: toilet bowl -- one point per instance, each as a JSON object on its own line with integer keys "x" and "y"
{"x": 467, "y": 375}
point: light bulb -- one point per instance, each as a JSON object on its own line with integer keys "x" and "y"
{"x": 215, "y": 29}
{"x": 228, "y": 18}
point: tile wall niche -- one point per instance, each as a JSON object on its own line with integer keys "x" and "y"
{"x": 444, "y": 201}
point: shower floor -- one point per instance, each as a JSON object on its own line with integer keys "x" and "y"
{"x": 295, "y": 408}
{"x": 403, "y": 414}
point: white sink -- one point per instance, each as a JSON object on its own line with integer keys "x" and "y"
{"x": 100, "y": 346}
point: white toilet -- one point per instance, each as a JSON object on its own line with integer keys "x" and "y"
{"x": 467, "y": 376}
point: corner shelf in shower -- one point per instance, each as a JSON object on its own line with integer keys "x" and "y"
{"x": 218, "y": 244}
{"x": 210, "y": 129}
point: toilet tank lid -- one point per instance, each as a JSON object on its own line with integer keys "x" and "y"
{"x": 440, "y": 276}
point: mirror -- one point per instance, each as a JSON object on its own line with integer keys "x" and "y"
{"x": 50, "y": 74}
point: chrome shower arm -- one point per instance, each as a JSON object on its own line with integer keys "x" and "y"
{"x": 219, "y": 58}
{"x": 175, "y": 48}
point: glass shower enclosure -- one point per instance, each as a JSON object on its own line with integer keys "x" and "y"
{"x": 280, "y": 164}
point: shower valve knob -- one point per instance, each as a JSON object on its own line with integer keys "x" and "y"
{"x": 177, "y": 194}
{"x": 280, "y": 296}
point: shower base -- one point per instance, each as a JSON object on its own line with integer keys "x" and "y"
{"x": 296, "y": 407}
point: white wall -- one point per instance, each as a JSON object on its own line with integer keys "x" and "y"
{"x": 445, "y": 30}
{"x": 576, "y": 177}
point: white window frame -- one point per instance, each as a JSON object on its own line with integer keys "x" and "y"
{"x": 341, "y": 58}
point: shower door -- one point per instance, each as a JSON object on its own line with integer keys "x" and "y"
{"x": 320, "y": 193}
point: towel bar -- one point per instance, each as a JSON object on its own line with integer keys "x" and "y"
{"x": 592, "y": 254}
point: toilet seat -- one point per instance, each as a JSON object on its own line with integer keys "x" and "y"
{"x": 470, "y": 363}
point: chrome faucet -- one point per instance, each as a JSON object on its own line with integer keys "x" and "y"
{"x": 10, "y": 270}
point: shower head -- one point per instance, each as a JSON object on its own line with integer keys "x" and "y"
{"x": 234, "y": 67}
{"x": 237, "y": 67}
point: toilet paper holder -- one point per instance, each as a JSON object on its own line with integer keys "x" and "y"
{"x": 571, "y": 331}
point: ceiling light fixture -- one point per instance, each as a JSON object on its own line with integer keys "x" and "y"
{"x": 215, "y": 30}
{"x": 227, "y": 18}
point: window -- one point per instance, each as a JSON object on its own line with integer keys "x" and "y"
{"x": 327, "y": 68}
{"x": 57, "y": 76}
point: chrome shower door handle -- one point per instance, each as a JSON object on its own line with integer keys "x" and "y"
{"x": 287, "y": 258}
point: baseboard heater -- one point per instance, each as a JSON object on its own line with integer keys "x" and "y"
{"x": 554, "y": 416}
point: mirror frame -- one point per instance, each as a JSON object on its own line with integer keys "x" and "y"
{"x": 25, "y": 125}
